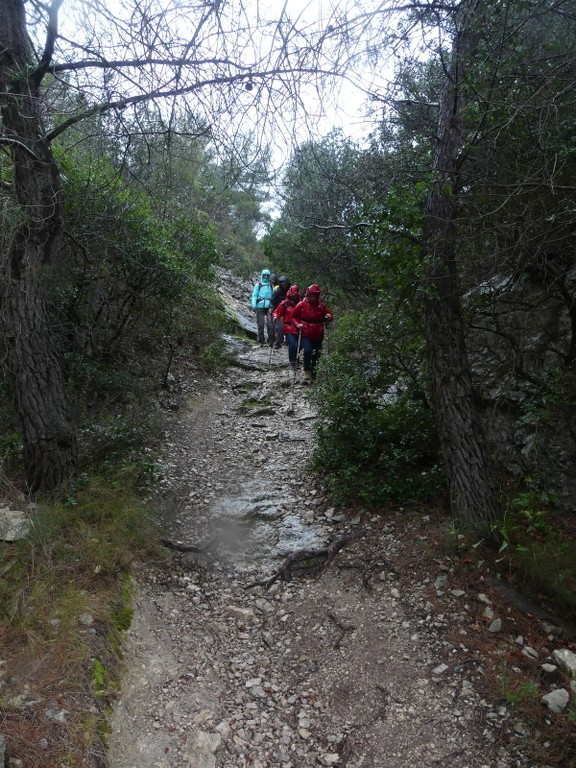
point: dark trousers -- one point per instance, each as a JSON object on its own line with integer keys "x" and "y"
{"x": 312, "y": 350}
{"x": 278, "y": 333}
{"x": 292, "y": 341}
{"x": 264, "y": 319}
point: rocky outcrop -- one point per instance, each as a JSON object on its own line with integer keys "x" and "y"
{"x": 235, "y": 292}
{"x": 519, "y": 343}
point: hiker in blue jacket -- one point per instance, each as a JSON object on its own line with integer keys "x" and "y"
{"x": 261, "y": 296}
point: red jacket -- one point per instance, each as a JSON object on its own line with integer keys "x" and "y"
{"x": 312, "y": 317}
{"x": 284, "y": 312}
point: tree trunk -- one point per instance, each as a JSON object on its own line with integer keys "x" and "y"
{"x": 38, "y": 382}
{"x": 473, "y": 491}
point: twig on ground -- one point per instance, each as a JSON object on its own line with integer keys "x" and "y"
{"x": 342, "y": 627}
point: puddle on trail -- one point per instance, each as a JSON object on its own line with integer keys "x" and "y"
{"x": 257, "y": 526}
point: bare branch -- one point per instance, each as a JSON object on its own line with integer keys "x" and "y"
{"x": 51, "y": 35}
{"x": 15, "y": 143}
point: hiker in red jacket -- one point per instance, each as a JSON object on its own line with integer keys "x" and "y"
{"x": 310, "y": 317}
{"x": 284, "y": 323}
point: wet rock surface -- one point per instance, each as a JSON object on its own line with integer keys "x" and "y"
{"x": 365, "y": 662}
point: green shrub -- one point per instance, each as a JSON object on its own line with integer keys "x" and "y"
{"x": 131, "y": 289}
{"x": 376, "y": 439}
{"x": 537, "y": 551}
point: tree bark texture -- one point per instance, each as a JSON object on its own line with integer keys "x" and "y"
{"x": 35, "y": 371}
{"x": 473, "y": 490}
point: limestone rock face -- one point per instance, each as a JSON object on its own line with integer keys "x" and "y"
{"x": 518, "y": 345}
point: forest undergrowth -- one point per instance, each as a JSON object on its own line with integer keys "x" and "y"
{"x": 66, "y": 600}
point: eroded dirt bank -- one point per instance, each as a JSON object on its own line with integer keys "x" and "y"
{"x": 374, "y": 661}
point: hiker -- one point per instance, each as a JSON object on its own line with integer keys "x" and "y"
{"x": 260, "y": 303}
{"x": 283, "y": 316}
{"x": 310, "y": 315}
{"x": 279, "y": 295}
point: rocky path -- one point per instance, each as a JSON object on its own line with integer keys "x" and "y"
{"x": 369, "y": 662}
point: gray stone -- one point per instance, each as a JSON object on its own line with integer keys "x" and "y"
{"x": 332, "y": 758}
{"x": 496, "y": 626}
{"x": 201, "y": 749}
{"x": 441, "y": 581}
{"x": 14, "y": 525}
{"x": 484, "y": 599}
{"x": 521, "y": 729}
{"x": 566, "y": 660}
{"x": 242, "y": 614}
{"x": 557, "y": 700}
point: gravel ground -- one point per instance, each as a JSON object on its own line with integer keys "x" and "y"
{"x": 371, "y": 660}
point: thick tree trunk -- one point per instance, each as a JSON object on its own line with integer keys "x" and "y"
{"x": 473, "y": 490}
{"x": 49, "y": 443}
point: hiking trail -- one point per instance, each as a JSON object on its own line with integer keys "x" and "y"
{"x": 364, "y": 660}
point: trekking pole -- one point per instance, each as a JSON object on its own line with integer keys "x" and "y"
{"x": 291, "y": 406}
{"x": 271, "y": 344}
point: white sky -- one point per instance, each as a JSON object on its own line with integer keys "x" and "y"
{"x": 348, "y": 109}
{"x": 344, "y": 107}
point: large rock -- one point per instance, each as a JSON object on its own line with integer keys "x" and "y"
{"x": 236, "y": 293}
{"x": 521, "y": 338}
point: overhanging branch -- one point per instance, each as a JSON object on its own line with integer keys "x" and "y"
{"x": 51, "y": 35}
{"x": 172, "y": 92}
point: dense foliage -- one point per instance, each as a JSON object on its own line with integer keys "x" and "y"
{"x": 128, "y": 281}
{"x": 376, "y": 438}
{"x": 133, "y": 286}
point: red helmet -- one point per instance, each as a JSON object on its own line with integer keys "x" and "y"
{"x": 294, "y": 290}
{"x": 313, "y": 289}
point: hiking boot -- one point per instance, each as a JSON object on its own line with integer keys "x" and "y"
{"x": 277, "y": 346}
{"x": 307, "y": 377}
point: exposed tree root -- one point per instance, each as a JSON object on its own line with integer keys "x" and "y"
{"x": 186, "y": 547}
{"x": 342, "y": 627}
{"x": 368, "y": 570}
{"x": 324, "y": 556}
{"x": 378, "y": 563}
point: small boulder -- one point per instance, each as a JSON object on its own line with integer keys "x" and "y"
{"x": 14, "y": 525}
{"x": 566, "y": 660}
{"x": 557, "y": 700}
